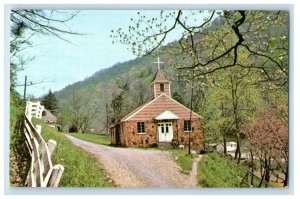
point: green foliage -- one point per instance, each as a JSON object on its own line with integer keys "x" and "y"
{"x": 216, "y": 172}
{"x": 179, "y": 98}
{"x": 19, "y": 155}
{"x": 184, "y": 160}
{"x": 81, "y": 168}
{"x": 94, "y": 138}
{"x": 50, "y": 102}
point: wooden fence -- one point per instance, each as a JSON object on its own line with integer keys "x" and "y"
{"x": 41, "y": 173}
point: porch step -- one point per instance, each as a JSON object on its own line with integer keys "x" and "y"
{"x": 165, "y": 145}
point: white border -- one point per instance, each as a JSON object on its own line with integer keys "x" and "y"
{"x": 212, "y": 193}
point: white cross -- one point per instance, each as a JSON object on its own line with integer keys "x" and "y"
{"x": 158, "y": 62}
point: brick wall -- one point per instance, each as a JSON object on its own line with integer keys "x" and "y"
{"x": 130, "y": 137}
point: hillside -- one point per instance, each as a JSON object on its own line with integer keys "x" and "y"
{"x": 137, "y": 74}
{"x": 108, "y": 95}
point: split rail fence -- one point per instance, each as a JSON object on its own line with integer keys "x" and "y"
{"x": 42, "y": 173}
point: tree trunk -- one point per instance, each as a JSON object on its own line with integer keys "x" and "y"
{"x": 237, "y": 154}
{"x": 252, "y": 166}
{"x": 285, "y": 182}
{"x": 267, "y": 169}
{"x": 225, "y": 140}
{"x": 262, "y": 178}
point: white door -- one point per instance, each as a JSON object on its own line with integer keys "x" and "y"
{"x": 165, "y": 132}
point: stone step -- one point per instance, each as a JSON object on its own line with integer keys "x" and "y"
{"x": 164, "y": 145}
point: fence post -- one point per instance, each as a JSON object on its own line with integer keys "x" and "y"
{"x": 56, "y": 175}
{"x": 51, "y": 146}
{"x": 41, "y": 173}
{"x": 38, "y": 129}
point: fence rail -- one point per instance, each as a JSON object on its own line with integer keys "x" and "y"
{"x": 42, "y": 173}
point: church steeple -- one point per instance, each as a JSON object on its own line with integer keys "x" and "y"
{"x": 159, "y": 83}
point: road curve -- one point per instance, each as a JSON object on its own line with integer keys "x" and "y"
{"x": 133, "y": 168}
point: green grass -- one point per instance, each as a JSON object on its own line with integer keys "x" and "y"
{"x": 81, "y": 168}
{"x": 184, "y": 160}
{"x": 94, "y": 138}
{"x": 214, "y": 171}
{"x": 218, "y": 172}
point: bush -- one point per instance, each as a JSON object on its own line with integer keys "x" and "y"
{"x": 73, "y": 129}
{"x": 19, "y": 157}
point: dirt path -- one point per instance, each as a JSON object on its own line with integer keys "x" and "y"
{"x": 139, "y": 168}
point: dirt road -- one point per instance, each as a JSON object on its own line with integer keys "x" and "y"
{"x": 139, "y": 168}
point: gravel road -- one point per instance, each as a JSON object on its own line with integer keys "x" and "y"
{"x": 135, "y": 168}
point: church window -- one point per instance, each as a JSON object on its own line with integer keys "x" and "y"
{"x": 187, "y": 125}
{"x": 162, "y": 87}
{"x": 141, "y": 127}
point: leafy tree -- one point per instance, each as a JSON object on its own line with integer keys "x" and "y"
{"x": 50, "y": 102}
{"x": 202, "y": 42}
{"x": 232, "y": 100}
{"x": 268, "y": 137}
{"x": 179, "y": 98}
{"x": 80, "y": 110}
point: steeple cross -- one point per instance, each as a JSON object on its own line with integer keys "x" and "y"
{"x": 158, "y": 62}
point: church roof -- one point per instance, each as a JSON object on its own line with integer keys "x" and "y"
{"x": 159, "y": 105}
{"x": 159, "y": 77}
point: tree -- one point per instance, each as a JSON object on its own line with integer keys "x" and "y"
{"x": 202, "y": 42}
{"x": 232, "y": 100}
{"x": 25, "y": 24}
{"x": 268, "y": 137}
{"x": 80, "y": 110}
{"x": 50, "y": 102}
{"x": 117, "y": 103}
{"x": 139, "y": 83}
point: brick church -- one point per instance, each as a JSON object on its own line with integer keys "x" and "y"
{"x": 162, "y": 119}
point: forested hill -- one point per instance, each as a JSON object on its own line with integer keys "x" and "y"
{"x": 108, "y": 95}
{"x": 119, "y": 70}
{"x": 105, "y": 75}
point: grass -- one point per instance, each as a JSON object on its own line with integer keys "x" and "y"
{"x": 81, "y": 168}
{"x": 184, "y": 160}
{"x": 94, "y": 138}
{"x": 214, "y": 171}
{"x": 217, "y": 172}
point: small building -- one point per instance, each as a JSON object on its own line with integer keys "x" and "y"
{"x": 230, "y": 147}
{"x": 34, "y": 109}
{"x": 49, "y": 117}
{"x": 162, "y": 120}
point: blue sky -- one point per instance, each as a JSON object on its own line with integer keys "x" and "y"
{"x": 59, "y": 63}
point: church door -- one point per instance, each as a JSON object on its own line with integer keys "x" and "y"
{"x": 165, "y": 132}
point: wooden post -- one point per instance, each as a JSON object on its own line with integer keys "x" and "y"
{"x": 41, "y": 164}
{"x": 51, "y": 146}
{"x": 25, "y": 88}
{"x": 38, "y": 129}
{"x": 56, "y": 175}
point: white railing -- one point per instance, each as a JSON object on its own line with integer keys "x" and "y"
{"x": 42, "y": 173}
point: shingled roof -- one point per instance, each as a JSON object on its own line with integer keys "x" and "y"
{"x": 157, "y": 106}
{"x": 159, "y": 77}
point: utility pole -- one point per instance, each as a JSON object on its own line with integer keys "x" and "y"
{"x": 191, "y": 107}
{"x": 191, "y": 121}
{"x": 24, "y": 97}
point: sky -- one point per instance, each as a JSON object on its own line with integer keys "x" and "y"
{"x": 58, "y": 63}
